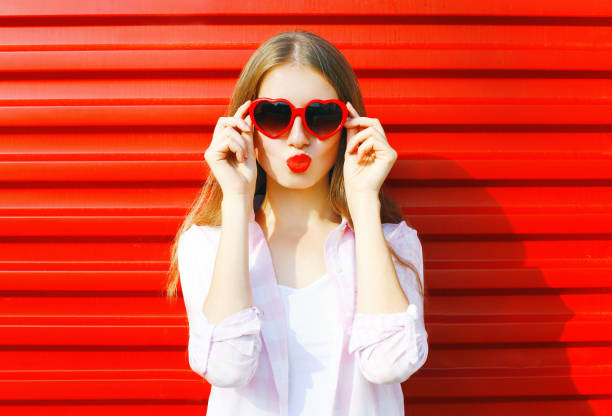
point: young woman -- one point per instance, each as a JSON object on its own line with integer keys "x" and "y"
{"x": 303, "y": 285}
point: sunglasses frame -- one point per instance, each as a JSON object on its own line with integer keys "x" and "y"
{"x": 298, "y": 111}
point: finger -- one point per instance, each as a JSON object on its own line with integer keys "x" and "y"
{"x": 351, "y": 123}
{"x": 243, "y": 137}
{"x": 356, "y": 122}
{"x": 351, "y": 109}
{"x": 247, "y": 135}
{"x": 238, "y": 136}
{"x": 236, "y": 148}
{"x": 243, "y": 154}
{"x": 365, "y": 121}
{"x": 237, "y": 122}
{"x": 359, "y": 121}
{"x": 233, "y": 135}
{"x": 378, "y": 126}
{"x": 248, "y": 121}
{"x": 355, "y": 142}
{"x": 366, "y": 148}
{"x": 247, "y": 139}
{"x": 372, "y": 122}
{"x": 222, "y": 150}
{"x": 242, "y": 109}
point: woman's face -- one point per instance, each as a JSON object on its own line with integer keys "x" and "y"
{"x": 297, "y": 84}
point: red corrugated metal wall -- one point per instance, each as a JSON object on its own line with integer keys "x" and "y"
{"x": 500, "y": 112}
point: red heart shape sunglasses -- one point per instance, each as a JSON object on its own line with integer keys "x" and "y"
{"x": 322, "y": 118}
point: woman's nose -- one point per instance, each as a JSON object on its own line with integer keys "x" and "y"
{"x": 298, "y": 135}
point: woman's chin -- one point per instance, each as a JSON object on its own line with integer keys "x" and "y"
{"x": 293, "y": 180}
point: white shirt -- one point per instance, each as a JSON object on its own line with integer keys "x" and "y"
{"x": 311, "y": 314}
{"x": 245, "y": 357}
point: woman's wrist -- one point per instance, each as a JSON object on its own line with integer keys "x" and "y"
{"x": 364, "y": 209}
{"x": 363, "y": 202}
{"x": 236, "y": 205}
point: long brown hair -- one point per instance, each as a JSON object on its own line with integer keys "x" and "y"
{"x": 313, "y": 51}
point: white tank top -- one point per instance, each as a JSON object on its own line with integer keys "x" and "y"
{"x": 312, "y": 326}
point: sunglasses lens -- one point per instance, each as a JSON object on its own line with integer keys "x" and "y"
{"x": 323, "y": 119}
{"x": 272, "y": 118}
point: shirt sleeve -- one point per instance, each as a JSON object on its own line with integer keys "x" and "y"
{"x": 226, "y": 354}
{"x": 390, "y": 347}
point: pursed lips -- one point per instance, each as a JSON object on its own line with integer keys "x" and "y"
{"x": 299, "y": 162}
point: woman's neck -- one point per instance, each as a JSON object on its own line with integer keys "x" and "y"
{"x": 295, "y": 211}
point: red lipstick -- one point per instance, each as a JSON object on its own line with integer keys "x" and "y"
{"x": 299, "y": 163}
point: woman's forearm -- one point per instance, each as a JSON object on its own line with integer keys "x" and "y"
{"x": 379, "y": 288}
{"x": 230, "y": 288}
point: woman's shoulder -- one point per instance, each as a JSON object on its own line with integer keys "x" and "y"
{"x": 405, "y": 241}
{"x": 200, "y": 234}
{"x": 392, "y": 230}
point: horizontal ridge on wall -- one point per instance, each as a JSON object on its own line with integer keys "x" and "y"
{"x": 236, "y": 8}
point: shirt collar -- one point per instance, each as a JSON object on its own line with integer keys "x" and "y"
{"x": 343, "y": 224}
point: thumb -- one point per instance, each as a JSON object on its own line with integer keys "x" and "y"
{"x": 349, "y": 135}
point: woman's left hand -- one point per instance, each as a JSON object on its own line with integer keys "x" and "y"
{"x": 368, "y": 157}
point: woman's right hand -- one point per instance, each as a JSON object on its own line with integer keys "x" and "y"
{"x": 230, "y": 155}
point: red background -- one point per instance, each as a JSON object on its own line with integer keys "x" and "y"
{"x": 499, "y": 110}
